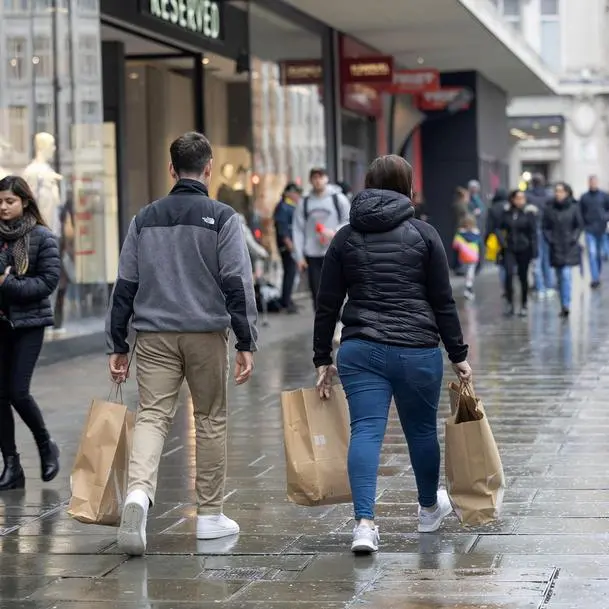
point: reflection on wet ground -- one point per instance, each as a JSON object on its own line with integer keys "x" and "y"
{"x": 544, "y": 383}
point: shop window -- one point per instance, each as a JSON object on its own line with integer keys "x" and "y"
{"x": 43, "y": 59}
{"x": 17, "y": 6}
{"x": 89, "y": 126}
{"x": 44, "y": 118}
{"x": 88, "y": 57}
{"x": 16, "y": 55}
{"x": 18, "y": 128}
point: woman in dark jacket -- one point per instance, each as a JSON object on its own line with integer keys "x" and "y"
{"x": 394, "y": 270}
{"x": 562, "y": 228}
{"x": 29, "y": 273}
{"x": 517, "y": 233}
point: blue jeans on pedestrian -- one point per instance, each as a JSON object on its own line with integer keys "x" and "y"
{"x": 594, "y": 244}
{"x": 563, "y": 275}
{"x": 544, "y": 279}
{"x": 371, "y": 374}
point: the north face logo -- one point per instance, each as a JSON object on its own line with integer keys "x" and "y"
{"x": 209, "y": 220}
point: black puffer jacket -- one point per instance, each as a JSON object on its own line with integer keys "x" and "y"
{"x": 25, "y": 299}
{"x": 562, "y": 228}
{"x": 517, "y": 231}
{"x": 395, "y": 272}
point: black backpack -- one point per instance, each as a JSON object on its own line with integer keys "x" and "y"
{"x": 336, "y": 207}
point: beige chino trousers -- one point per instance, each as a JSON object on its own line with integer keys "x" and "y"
{"x": 164, "y": 360}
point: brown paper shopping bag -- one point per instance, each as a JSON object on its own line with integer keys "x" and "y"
{"x": 316, "y": 434}
{"x": 99, "y": 476}
{"x": 474, "y": 473}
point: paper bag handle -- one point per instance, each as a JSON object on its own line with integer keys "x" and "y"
{"x": 117, "y": 388}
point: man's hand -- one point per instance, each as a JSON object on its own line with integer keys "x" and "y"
{"x": 244, "y": 367}
{"x": 119, "y": 367}
{"x": 302, "y": 266}
{"x": 325, "y": 376}
{"x": 7, "y": 272}
{"x": 463, "y": 371}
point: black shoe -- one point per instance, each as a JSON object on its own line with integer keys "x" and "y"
{"x": 292, "y": 310}
{"x": 564, "y": 313}
{"x": 595, "y": 285}
{"x": 12, "y": 477}
{"x": 509, "y": 310}
{"x": 49, "y": 460}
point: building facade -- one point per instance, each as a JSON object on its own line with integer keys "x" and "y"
{"x": 566, "y": 136}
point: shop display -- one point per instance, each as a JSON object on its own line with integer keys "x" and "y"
{"x": 44, "y": 181}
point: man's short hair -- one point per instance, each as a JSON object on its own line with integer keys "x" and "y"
{"x": 190, "y": 153}
{"x": 317, "y": 171}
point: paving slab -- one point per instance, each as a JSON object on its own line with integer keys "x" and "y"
{"x": 544, "y": 384}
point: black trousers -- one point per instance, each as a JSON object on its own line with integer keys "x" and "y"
{"x": 315, "y": 266}
{"x": 518, "y": 262}
{"x": 19, "y": 351}
{"x": 289, "y": 278}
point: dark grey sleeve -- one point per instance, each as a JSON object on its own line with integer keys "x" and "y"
{"x": 237, "y": 283}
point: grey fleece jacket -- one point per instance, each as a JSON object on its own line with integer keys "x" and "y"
{"x": 184, "y": 267}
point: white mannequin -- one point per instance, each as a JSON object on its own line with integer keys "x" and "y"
{"x": 44, "y": 181}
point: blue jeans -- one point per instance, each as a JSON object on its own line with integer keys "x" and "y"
{"x": 563, "y": 274}
{"x": 544, "y": 280}
{"x": 594, "y": 244}
{"x": 371, "y": 374}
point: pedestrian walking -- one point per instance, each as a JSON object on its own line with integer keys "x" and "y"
{"x": 394, "y": 270}
{"x": 184, "y": 277}
{"x": 517, "y": 234}
{"x": 493, "y": 222}
{"x": 317, "y": 218}
{"x": 284, "y": 222}
{"x": 29, "y": 273}
{"x": 544, "y": 278}
{"x": 562, "y": 228}
{"x": 467, "y": 243}
{"x": 594, "y": 206}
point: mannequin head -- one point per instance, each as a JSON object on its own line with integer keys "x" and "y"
{"x": 44, "y": 145}
{"x": 228, "y": 171}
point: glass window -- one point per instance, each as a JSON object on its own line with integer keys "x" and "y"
{"x": 44, "y": 118}
{"x": 18, "y": 128}
{"x": 42, "y": 59}
{"x": 511, "y": 8}
{"x": 550, "y": 43}
{"x": 42, "y": 5}
{"x": 16, "y": 55}
{"x": 549, "y": 7}
{"x": 88, "y": 55}
{"x": 17, "y": 6}
{"x": 87, "y": 6}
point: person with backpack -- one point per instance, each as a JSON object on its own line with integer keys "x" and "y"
{"x": 318, "y": 217}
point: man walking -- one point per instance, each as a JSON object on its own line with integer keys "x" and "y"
{"x": 543, "y": 272}
{"x": 595, "y": 213}
{"x": 284, "y": 221}
{"x": 185, "y": 277}
{"x": 317, "y": 219}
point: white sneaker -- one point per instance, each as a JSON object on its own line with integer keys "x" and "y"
{"x": 430, "y": 521}
{"x": 132, "y": 532}
{"x": 365, "y": 539}
{"x": 216, "y": 527}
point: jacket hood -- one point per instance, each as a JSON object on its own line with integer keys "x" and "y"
{"x": 379, "y": 211}
{"x": 501, "y": 196}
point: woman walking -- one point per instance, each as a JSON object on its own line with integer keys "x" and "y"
{"x": 29, "y": 273}
{"x": 517, "y": 234}
{"x": 562, "y": 228}
{"x": 394, "y": 270}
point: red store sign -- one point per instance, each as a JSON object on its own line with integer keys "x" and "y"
{"x": 412, "y": 82}
{"x": 430, "y": 101}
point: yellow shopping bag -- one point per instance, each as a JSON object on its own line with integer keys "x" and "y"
{"x": 493, "y": 248}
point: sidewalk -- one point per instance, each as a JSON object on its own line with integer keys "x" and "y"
{"x": 544, "y": 384}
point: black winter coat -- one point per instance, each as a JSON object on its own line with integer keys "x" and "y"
{"x": 394, "y": 270}
{"x": 25, "y": 299}
{"x": 562, "y": 228}
{"x": 518, "y": 230}
{"x": 594, "y": 207}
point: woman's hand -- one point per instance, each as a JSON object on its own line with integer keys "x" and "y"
{"x": 325, "y": 375}
{"x": 7, "y": 272}
{"x": 463, "y": 371}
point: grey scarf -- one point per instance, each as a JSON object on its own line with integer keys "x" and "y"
{"x": 18, "y": 233}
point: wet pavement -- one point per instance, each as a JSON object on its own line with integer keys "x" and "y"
{"x": 544, "y": 384}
